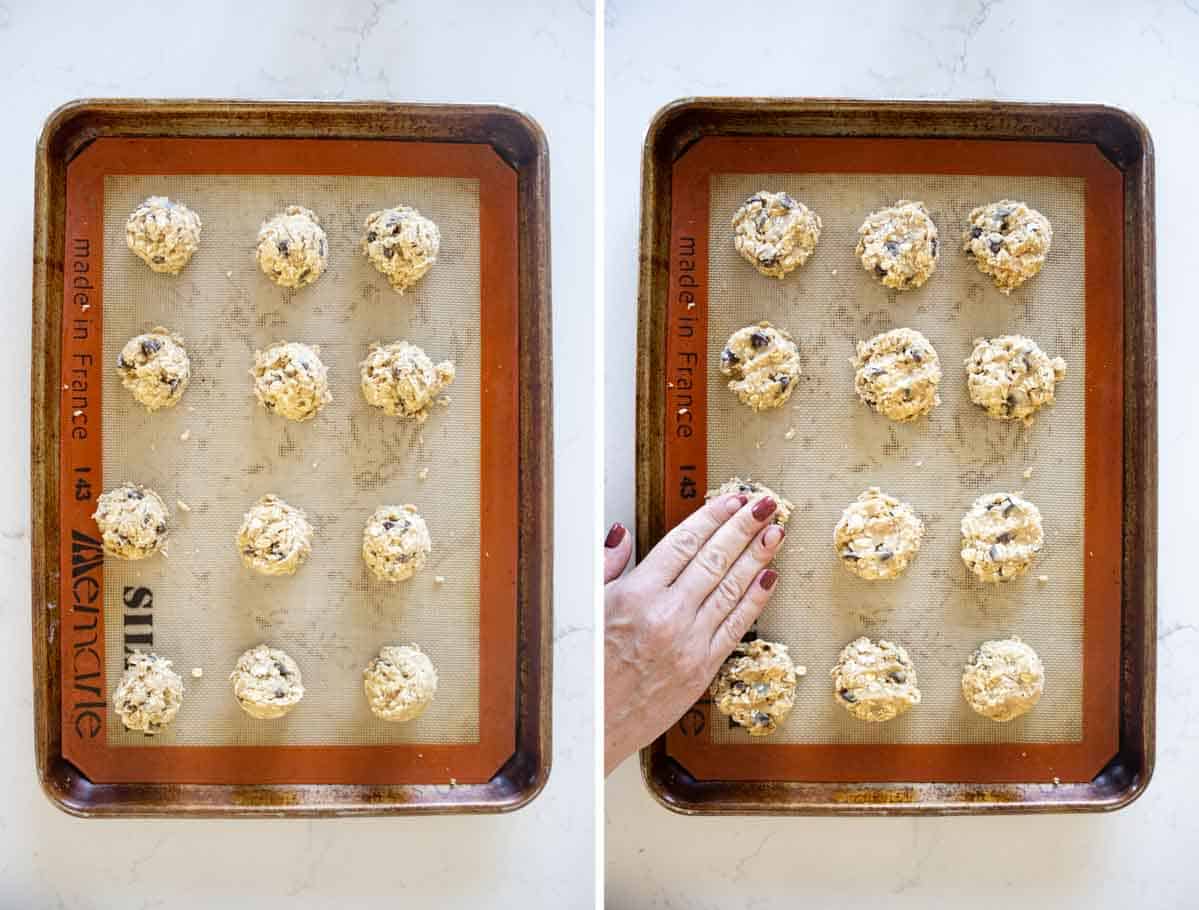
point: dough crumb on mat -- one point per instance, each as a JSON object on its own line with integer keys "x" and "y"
{"x": 163, "y": 234}
{"x": 755, "y": 491}
{"x": 291, "y": 380}
{"x": 266, "y": 682}
{"x": 775, "y": 233}
{"x": 396, "y": 543}
{"x": 877, "y": 536}
{"x": 292, "y": 248}
{"x": 183, "y": 506}
{"x": 762, "y": 362}
{"x": 1008, "y": 241}
{"x": 1011, "y": 378}
{"x": 197, "y": 672}
{"x": 1000, "y": 536}
{"x": 756, "y": 686}
{"x": 133, "y": 521}
{"x": 149, "y": 694}
{"x": 402, "y": 380}
{"x": 400, "y": 683}
{"x": 1003, "y": 679}
{"x": 875, "y": 682}
{"x": 275, "y": 538}
{"x": 898, "y": 245}
{"x": 897, "y": 374}
{"x": 155, "y": 368}
{"x": 185, "y": 435}
{"x": 402, "y": 245}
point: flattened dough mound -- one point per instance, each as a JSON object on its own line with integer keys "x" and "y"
{"x": 402, "y": 380}
{"x": 402, "y": 245}
{"x": 875, "y": 682}
{"x": 1008, "y": 241}
{"x": 1000, "y": 536}
{"x": 396, "y": 543}
{"x": 775, "y": 233}
{"x": 877, "y": 536}
{"x": 163, "y": 234}
{"x": 291, "y": 380}
{"x": 400, "y": 683}
{"x": 133, "y": 521}
{"x": 149, "y": 694}
{"x": 898, "y": 245}
{"x": 155, "y": 368}
{"x": 1011, "y": 378}
{"x": 897, "y": 374}
{"x": 266, "y": 682}
{"x": 292, "y": 248}
{"x": 1003, "y": 679}
{"x": 756, "y": 686}
{"x": 275, "y": 538}
{"x": 763, "y": 362}
{"x": 754, "y": 491}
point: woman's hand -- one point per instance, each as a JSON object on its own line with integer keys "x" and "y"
{"x": 672, "y": 621}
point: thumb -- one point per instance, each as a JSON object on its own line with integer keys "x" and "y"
{"x": 618, "y": 547}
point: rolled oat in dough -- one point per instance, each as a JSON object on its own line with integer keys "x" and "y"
{"x": 1008, "y": 241}
{"x": 155, "y": 368}
{"x": 775, "y": 233}
{"x": 1011, "y": 378}
{"x": 877, "y": 536}
{"x": 756, "y": 686}
{"x": 402, "y": 380}
{"x": 898, "y": 245}
{"x": 897, "y": 374}
{"x": 396, "y": 543}
{"x": 163, "y": 234}
{"x": 1003, "y": 679}
{"x": 763, "y": 363}
{"x": 875, "y": 682}
{"x": 400, "y": 683}
{"x": 401, "y": 244}
{"x": 149, "y": 694}
{"x": 292, "y": 248}
{"x": 1000, "y": 536}
{"x": 754, "y": 491}
{"x": 291, "y": 380}
{"x": 275, "y": 538}
{"x": 266, "y": 682}
{"x": 133, "y": 521}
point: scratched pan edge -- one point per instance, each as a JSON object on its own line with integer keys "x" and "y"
{"x": 520, "y": 144}
{"x": 1125, "y": 142}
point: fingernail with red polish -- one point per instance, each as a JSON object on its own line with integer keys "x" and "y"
{"x": 769, "y": 577}
{"x": 764, "y": 508}
{"x": 734, "y": 504}
{"x": 773, "y": 535}
{"x": 615, "y": 536}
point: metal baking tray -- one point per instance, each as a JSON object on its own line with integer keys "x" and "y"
{"x": 506, "y": 765}
{"x": 689, "y": 145}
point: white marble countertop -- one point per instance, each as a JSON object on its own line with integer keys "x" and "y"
{"x": 328, "y": 49}
{"x": 1135, "y": 56}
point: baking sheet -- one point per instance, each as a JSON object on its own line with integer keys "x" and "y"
{"x": 332, "y": 616}
{"x": 937, "y": 610}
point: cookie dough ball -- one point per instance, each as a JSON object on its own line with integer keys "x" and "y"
{"x": 275, "y": 538}
{"x": 897, "y": 374}
{"x": 1000, "y": 536}
{"x": 400, "y": 379}
{"x": 396, "y": 543}
{"x": 755, "y": 491}
{"x": 133, "y": 521}
{"x": 163, "y": 234}
{"x": 401, "y": 244}
{"x": 266, "y": 682}
{"x": 1011, "y": 378}
{"x": 774, "y": 233}
{"x": 763, "y": 362}
{"x": 756, "y": 686}
{"x": 1008, "y": 241}
{"x": 292, "y": 249}
{"x": 155, "y": 368}
{"x": 290, "y": 380}
{"x": 149, "y": 694}
{"x": 875, "y": 682}
{"x": 400, "y": 683}
{"x": 1003, "y": 679}
{"x": 877, "y": 536}
{"x": 898, "y": 245}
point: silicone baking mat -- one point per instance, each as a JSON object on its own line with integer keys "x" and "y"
{"x": 824, "y": 447}
{"x": 214, "y": 454}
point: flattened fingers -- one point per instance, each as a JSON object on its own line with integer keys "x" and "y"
{"x": 722, "y": 549}
{"x": 676, "y": 550}
{"x": 741, "y": 619}
{"x": 756, "y": 557}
